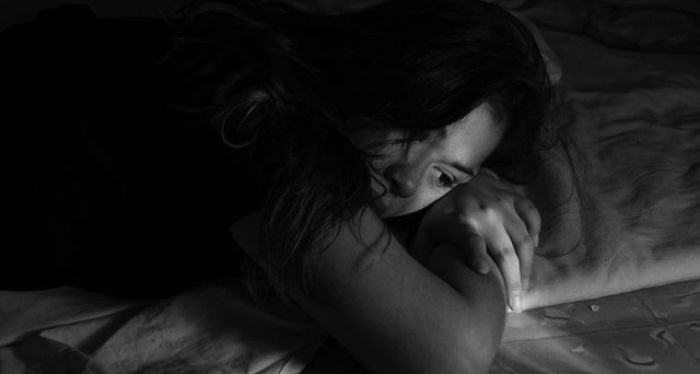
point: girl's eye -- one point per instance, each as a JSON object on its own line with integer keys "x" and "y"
{"x": 446, "y": 180}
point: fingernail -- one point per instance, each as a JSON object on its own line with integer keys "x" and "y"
{"x": 517, "y": 304}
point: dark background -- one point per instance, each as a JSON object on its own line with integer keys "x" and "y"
{"x": 13, "y": 11}
{"x": 108, "y": 188}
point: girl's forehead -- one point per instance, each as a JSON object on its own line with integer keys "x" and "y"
{"x": 480, "y": 121}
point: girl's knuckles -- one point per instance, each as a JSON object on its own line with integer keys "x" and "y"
{"x": 469, "y": 219}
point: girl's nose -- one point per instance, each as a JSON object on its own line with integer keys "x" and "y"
{"x": 401, "y": 182}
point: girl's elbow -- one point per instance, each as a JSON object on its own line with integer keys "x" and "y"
{"x": 475, "y": 357}
{"x": 470, "y": 348}
{"x": 475, "y": 348}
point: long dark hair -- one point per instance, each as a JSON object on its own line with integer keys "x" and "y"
{"x": 286, "y": 86}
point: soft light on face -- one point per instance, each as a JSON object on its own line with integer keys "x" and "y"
{"x": 417, "y": 175}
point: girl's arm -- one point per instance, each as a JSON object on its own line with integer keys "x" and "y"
{"x": 488, "y": 219}
{"x": 396, "y": 315}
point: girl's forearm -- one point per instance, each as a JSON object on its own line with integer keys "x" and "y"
{"x": 396, "y": 315}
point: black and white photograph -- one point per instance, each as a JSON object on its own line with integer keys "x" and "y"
{"x": 350, "y": 186}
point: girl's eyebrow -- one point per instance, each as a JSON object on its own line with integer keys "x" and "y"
{"x": 464, "y": 169}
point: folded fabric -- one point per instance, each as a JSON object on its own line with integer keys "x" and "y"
{"x": 208, "y": 329}
{"x": 620, "y": 197}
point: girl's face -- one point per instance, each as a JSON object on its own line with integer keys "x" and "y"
{"x": 420, "y": 172}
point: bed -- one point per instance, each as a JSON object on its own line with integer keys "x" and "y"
{"x": 628, "y": 219}
{"x": 616, "y": 285}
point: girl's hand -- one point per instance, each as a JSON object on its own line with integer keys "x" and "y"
{"x": 485, "y": 217}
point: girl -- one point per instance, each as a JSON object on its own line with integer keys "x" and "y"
{"x": 410, "y": 108}
{"x": 370, "y": 177}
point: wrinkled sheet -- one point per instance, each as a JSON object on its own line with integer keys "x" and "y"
{"x": 216, "y": 328}
{"x": 620, "y": 197}
{"x": 651, "y": 330}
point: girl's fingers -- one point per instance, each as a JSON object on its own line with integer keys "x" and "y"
{"x": 501, "y": 249}
{"x": 472, "y": 245}
{"x": 524, "y": 247}
{"x": 476, "y": 254}
{"x": 465, "y": 236}
{"x": 529, "y": 213}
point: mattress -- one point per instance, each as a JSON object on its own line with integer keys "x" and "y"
{"x": 620, "y": 194}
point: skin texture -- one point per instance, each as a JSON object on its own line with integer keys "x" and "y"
{"x": 494, "y": 221}
{"x": 394, "y": 314}
{"x": 487, "y": 219}
{"x": 425, "y": 171}
{"x": 439, "y": 308}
